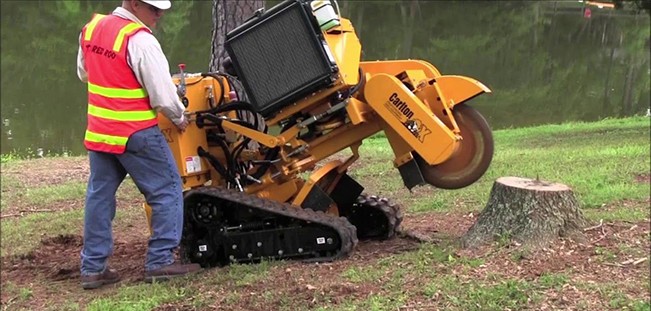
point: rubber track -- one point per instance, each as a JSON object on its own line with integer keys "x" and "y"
{"x": 392, "y": 211}
{"x": 347, "y": 232}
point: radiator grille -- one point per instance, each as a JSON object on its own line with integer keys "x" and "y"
{"x": 279, "y": 57}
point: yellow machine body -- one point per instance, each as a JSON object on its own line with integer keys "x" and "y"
{"x": 407, "y": 99}
{"x": 436, "y": 139}
{"x": 194, "y": 170}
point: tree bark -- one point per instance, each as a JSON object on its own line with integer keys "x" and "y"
{"x": 227, "y": 15}
{"x": 345, "y": 8}
{"x": 408, "y": 12}
{"x": 530, "y": 212}
{"x": 629, "y": 81}
{"x": 359, "y": 21}
{"x": 606, "y": 102}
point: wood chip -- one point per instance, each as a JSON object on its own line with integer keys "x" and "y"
{"x": 22, "y": 212}
{"x": 626, "y": 262}
{"x": 601, "y": 223}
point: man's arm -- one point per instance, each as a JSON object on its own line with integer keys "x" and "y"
{"x": 151, "y": 68}
{"x": 81, "y": 65}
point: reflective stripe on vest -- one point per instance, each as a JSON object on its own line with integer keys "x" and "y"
{"x": 123, "y": 33}
{"x": 120, "y": 38}
{"x": 106, "y": 139}
{"x": 91, "y": 26}
{"x": 138, "y": 115}
{"x": 115, "y": 92}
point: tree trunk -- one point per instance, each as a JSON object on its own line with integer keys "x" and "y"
{"x": 528, "y": 211}
{"x": 345, "y": 9}
{"x": 226, "y": 15}
{"x": 408, "y": 12}
{"x": 629, "y": 80}
{"x": 359, "y": 21}
{"x": 606, "y": 102}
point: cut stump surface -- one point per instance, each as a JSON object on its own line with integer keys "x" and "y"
{"x": 529, "y": 211}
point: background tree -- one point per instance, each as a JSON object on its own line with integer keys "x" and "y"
{"x": 638, "y": 4}
{"x": 544, "y": 60}
{"x": 408, "y": 11}
{"x": 227, "y": 15}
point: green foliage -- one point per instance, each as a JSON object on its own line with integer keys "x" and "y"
{"x": 642, "y": 5}
{"x": 381, "y": 303}
{"x": 248, "y": 274}
{"x": 361, "y": 275}
{"x": 474, "y": 295}
{"x": 17, "y": 292}
{"x": 620, "y": 301}
{"x": 555, "y": 281}
{"x": 172, "y": 26}
{"x": 605, "y": 254}
{"x": 140, "y": 297}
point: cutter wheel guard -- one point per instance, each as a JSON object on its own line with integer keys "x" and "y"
{"x": 255, "y": 167}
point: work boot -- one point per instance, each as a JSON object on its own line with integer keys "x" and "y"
{"x": 171, "y": 271}
{"x": 109, "y": 276}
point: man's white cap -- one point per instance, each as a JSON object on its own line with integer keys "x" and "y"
{"x": 161, "y": 4}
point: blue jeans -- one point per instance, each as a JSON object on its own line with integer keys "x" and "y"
{"x": 149, "y": 162}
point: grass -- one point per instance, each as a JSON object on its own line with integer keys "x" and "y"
{"x": 505, "y": 294}
{"x": 20, "y": 235}
{"x": 11, "y": 187}
{"x": 614, "y": 297}
{"x": 140, "y": 297}
{"x": 43, "y": 196}
{"x": 630, "y": 212}
{"x": 599, "y": 160}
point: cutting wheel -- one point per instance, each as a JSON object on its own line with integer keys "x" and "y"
{"x": 472, "y": 158}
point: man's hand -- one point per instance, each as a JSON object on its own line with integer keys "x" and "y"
{"x": 183, "y": 124}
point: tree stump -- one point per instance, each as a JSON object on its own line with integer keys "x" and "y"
{"x": 528, "y": 211}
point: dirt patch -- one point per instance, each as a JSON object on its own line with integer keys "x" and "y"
{"x": 438, "y": 225}
{"x": 48, "y": 171}
{"x": 613, "y": 252}
{"x": 44, "y": 172}
{"x": 51, "y": 271}
{"x": 57, "y": 259}
{"x": 643, "y": 178}
{"x": 38, "y": 173}
{"x": 56, "y": 263}
{"x": 610, "y": 253}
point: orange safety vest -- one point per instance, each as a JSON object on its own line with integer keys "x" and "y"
{"x": 118, "y": 105}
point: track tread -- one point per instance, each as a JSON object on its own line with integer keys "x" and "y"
{"x": 391, "y": 210}
{"x": 347, "y": 232}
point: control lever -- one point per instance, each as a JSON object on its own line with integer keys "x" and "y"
{"x": 181, "y": 89}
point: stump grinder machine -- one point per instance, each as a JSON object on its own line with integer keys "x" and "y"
{"x": 259, "y": 176}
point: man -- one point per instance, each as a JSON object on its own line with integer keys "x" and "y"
{"x": 128, "y": 82}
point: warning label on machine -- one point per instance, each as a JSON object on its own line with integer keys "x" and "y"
{"x": 192, "y": 164}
